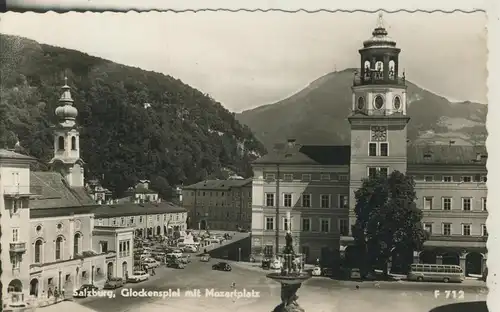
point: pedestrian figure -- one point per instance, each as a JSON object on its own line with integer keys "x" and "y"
{"x": 63, "y": 293}
{"x": 153, "y": 271}
{"x": 56, "y": 293}
{"x": 49, "y": 293}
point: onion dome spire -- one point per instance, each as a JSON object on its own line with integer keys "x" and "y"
{"x": 66, "y": 112}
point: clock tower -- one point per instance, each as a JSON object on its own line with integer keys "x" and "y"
{"x": 379, "y": 113}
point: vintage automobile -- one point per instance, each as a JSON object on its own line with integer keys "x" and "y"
{"x": 221, "y": 266}
{"x": 205, "y": 258}
{"x": 176, "y": 265}
{"x": 138, "y": 276}
{"x": 355, "y": 274}
{"x": 266, "y": 264}
{"x": 316, "y": 271}
{"x": 114, "y": 282}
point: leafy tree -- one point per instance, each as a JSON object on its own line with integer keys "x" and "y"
{"x": 387, "y": 219}
{"x": 181, "y": 135}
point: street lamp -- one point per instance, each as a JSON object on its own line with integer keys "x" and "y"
{"x": 277, "y": 238}
{"x": 92, "y": 275}
{"x": 60, "y": 273}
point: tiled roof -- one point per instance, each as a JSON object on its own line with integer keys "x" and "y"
{"x": 52, "y": 191}
{"x": 447, "y": 154}
{"x": 333, "y": 155}
{"x": 341, "y": 154}
{"x": 132, "y": 209}
{"x": 217, "y": 184}
{"x": 13, "y": 155}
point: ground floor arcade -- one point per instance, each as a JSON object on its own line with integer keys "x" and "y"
{"x": 471, "y": 257}
{"x": 157, "y": 231}
{"x": 315, "y": 248}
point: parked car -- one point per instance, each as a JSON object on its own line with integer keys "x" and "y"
{"x": 150, "y": 263}
{"x": 205, "y": 258}
{"x": 177, "y": 253}
{"x": 355, "y": 274}
{"x": 316, "y": 271}
{"x": 190, "y": 249}
{"x": 138, "y": 276}
{"x": 266, "y": 264}
{"x": 327, "y": 272}
{"x": 114, "y": 282}
{"x": 221, "y": 266}
{"x": 275, "y": 264}
{"x": 185, "y": 259}
{"x": 176, "y": 265}
{"x": 84, "y": 291}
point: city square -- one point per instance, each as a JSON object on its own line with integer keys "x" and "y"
{"x": 319, "y": 294}
{"x": 124, "y": 189}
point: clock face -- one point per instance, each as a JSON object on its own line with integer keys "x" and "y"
{"x": 397, "y": 103}
{"x": 379, "y": 133}
{"x": 361, "y": 102}
{"x": 379, "y": 102}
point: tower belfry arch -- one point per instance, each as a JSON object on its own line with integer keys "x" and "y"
{"x": 67, "y": 158}
{"x": 378, "y": 117}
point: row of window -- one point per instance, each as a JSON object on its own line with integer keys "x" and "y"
{"x": 446, "y": 229}
{"x": 447, "y": 203}
{"x": 222, "y": 204}
{"x": 325, "y": 200}
{"x": 218, "y": 194}
{"x": 124, "y": 248}
{"x": 465, "y": 178}
{"x": 306, "y": 177}
{"x": 306, "y": 225}
{"x": 227, "y": 215}
{"x": 378, "y": 149}
{"x": 131, "y": 220}
{"x": 59, "y": 245}
{"x": 60, "y": 143}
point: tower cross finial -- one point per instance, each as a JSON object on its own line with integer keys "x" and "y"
{"x": 65, "y": 80}
{"x": 380, "y": 22}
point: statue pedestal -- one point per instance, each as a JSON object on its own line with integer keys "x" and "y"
{"x": 290, "y": 284}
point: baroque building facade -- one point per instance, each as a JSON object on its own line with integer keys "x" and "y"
{"x": 49, "y": 221}
{"x": 310, "y": 189}
{"x": 219, "y": 204}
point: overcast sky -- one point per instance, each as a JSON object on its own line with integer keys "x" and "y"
{"x": 245, "y": 60}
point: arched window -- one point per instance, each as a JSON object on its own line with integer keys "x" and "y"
{"x": 392, "y": 69}
{"x": 59, "y": 242}
{"x": 73, "y": 143}
{"x": 38, "y": 251}
{"x": 76, "y": 244}
{"x": 60, "y": 143}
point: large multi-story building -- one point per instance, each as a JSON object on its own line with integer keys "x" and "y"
{"x": 219, "y": 204}
{"x": 148, "y": 219}
{"x": 310, "y": 189}
{"x": 48, "y": 221}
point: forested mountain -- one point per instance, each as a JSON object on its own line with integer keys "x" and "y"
{"x": 135, "y": 124}
{"x": 318, "y": 115}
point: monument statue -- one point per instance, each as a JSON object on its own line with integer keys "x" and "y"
{"x": 291, "y": 278}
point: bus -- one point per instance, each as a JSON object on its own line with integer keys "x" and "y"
{"x": 436, "y": 273}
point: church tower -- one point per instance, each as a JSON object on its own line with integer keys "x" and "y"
{"x": 379, "y": 113}
{"x": 66, "y": 158}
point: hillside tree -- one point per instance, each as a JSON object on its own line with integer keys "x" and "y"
{"x": 387, "y": 219}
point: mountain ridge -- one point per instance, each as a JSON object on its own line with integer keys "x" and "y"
{"x": 135, "y": 124}
{"x": 326, "y": 102}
